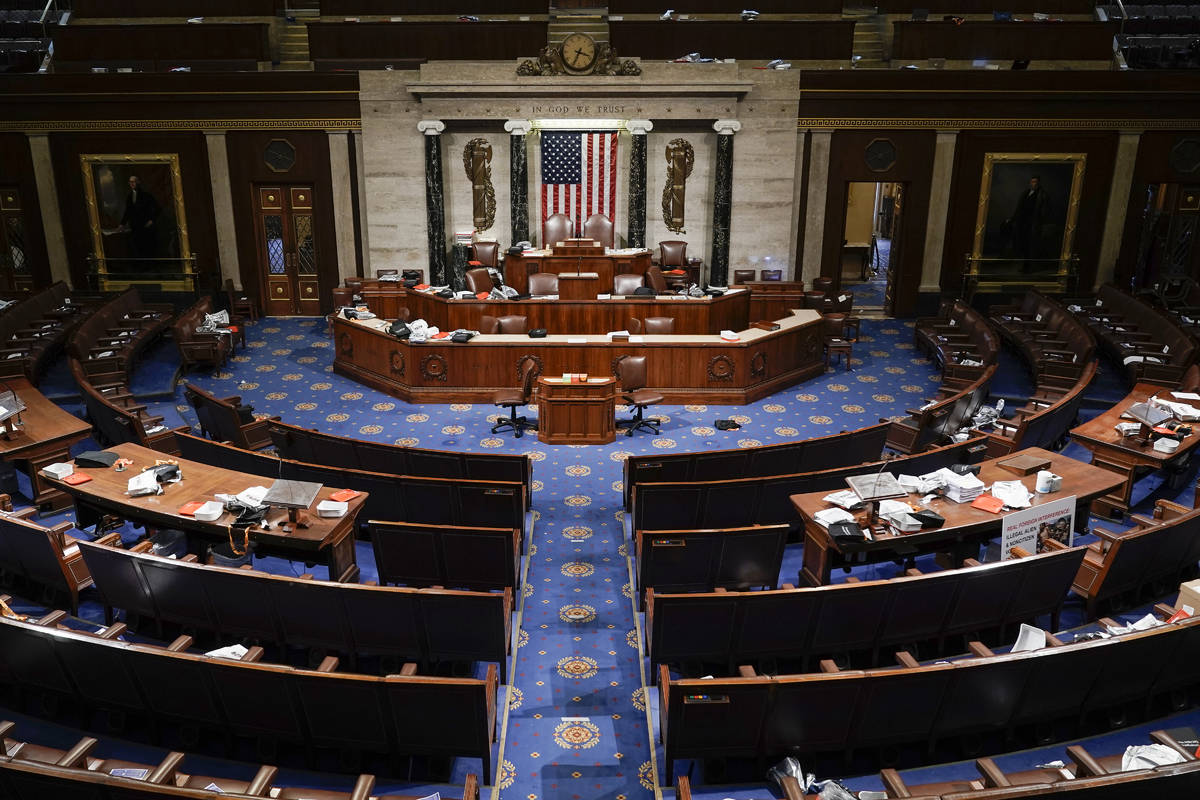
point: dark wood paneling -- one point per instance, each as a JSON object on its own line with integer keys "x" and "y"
{"x": 152, "y": 97}
{"x": 338, "y": 8}
{"x": 920, "y": 95}
{"x": 995, "y": 40}
{"x": 16, "y": 169}
{"x": 476, "y": 41}
{"x": 1100, "y": 148}
{"x": 729, "y": 7}
{"x": 986, "y": 6}
{"x": 192, "y": 8}
{"x": 808, "y": 39}
{"x": 247, "y": 168}
{"x": 1153, "y": 165}
{"x": 913, "y": 168}
{"x": 161, "y": 45}
{"x": 197, "y": 191}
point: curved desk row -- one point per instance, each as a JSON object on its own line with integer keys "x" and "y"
{"x": 685, "y": 368}
{"x": 692, "y": 314}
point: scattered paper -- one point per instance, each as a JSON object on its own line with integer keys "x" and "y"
{"x": 1185, "y": 395}
{"x": 1014, "y": 494}
{"x": 828, "y": 516}
{"x": 1144, "y": 624}
{"x": 253, "y": 496}
{"x": 233, "y": 651}
{"x": 844, "y": 499}
{"x": 1149, "y": 756}
{"x": 143, "y": 483}
{"x": 136, "y": 774}
{"x": 1029, "y": 638}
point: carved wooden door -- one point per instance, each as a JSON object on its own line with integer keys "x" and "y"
{"x": 15, "y": 273}
{"x": 287, "y": 250}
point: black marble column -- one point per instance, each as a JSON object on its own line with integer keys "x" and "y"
{"x": 518, "y": 180}
{"x": 718, "y": 273}
{"x": 637, "y": 186}
{"x": 434, "y": 201}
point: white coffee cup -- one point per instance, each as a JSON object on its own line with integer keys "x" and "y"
{"x": 1047, "y": 482}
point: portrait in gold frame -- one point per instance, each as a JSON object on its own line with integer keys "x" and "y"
{"x": 137, "y": 238}
{"x": 1015, "y": 221}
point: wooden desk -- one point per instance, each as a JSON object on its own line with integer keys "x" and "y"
{"x": 517, "y": 269}
{"x": 1125, "y": 456}
{"x": 46, "y": 437}
{"x": 577, "y": 413}
{"x": 965, "y": 527}
{"x": 328, "y": 540}
{"x": 686, "y": 369}
{"x": 774, "y": 299}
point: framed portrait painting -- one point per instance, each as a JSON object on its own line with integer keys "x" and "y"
{"x": 136, "y": 216}
{"x": 1028, "y": 208}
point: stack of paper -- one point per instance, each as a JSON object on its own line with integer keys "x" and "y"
{"x": 1013, "y": 494}
{"x": 962, "y": 488}
{"x": 828, "y": 516}
{"x": 844, "y": 499}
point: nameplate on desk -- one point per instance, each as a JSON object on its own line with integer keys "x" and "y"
{"x": 579, "y": 275}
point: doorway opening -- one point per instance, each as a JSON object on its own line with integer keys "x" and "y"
{"x": 871, "y": 245}
{"x": 1170, "y": 225}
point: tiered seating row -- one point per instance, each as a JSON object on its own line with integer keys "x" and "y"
{"x": 735, "y": 628}
{"x": 40, "y": 558}
{"x": 392, "y": 498}
{"x": 422, "y": 625}
{"x": 110, "y": 340}
{"x": 1044, "y": 421}
{"x": 115, "y": 414}
{"x": 301, "y": 444}
{"x": 964, "y": 390}
{"x": 838, "y": 712}
{"x": 681, "y": 505}
{"x": 396, "y": 714}
{"x": 33, "y": 330}
{"x": 1053, "y": 341}
{"x": 840, "y": 449}
{"x": 460, "y": 557}
{"x": 958, "y": 334}
{"x": 221, "y": 420}
{"x": 1150, "y": 345}
{"x": 30, "y": 771}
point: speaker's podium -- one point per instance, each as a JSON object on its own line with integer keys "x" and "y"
{"x": 583, "y": 266}
{"x": 576, "y": 409}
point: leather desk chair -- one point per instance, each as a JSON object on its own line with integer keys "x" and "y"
{"x": 672, "y": 254}
{"x": 486, "y": 253}
{"x": 833, "y": 328}
{"x": 342, "y": 296}
{"x": 556, "y": 228}
{"x": 599, "y": 228}
{"x": 479, "y": 280}
{"x": 660, "y": 325}
{"x": 656, "y": 281}
{"x": 631, "y": 372}
{"x": 241, "y": 304}
{"x": 542, "y": 284}
{"x": 772, "y": 274}
{"x": 489, "y": 324}
{"x": 634, "y": 326}
{"x": 815, "y": 300}
{"x": 626, "y": 283}
{"x": 513, "y": 323}
{"x": 513, "y": 398}
{"x": 354, "y": 284}
{"x": 743, "y": 276}
{"x": 822, "y": 283}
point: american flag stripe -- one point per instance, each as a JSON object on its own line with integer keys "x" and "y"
{"x": 579, "y": 175}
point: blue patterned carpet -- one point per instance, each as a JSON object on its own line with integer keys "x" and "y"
{"x": 578, "y": 710}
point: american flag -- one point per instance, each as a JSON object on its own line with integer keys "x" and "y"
{"x": 579, "y": 175}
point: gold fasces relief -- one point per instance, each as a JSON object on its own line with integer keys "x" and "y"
{"x": 477, "y": 161}
{"x": 680, "y": 160}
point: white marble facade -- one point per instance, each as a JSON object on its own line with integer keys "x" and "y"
{"x": 683, "y": 100}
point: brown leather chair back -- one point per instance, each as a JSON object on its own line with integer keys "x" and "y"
{"x": 672, "y": 254}
{"x": 529, "y": 373}
{"x": 599, "y": 228}
{"x": 489, "y": 324}
{"x": 814, "y": 300}
{"x": 743, "y": 275}
{"x": 479, "y": 280}
{"x": 772, "y": 274}
{"x": 543, "y": 283}
{"x": 823, "y": 284}
{"x": 634, "y": 326}
{"x": 632, "y": 373}
{"x": 1190, "y": 382}
{"x": 354, "y": 284}
{"x": 833, "y": 326}
{"x": 486, "y": 253}
{"x": 342, "y": 297}
{"x": 660, "y": 324}
{"x": 513, "y": 323}
{"x": 626, "y": 283}
{"x": 656, "y": 281}
{"x": 556, "y": 228}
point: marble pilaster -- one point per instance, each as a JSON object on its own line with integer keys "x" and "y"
{"x": 435, "y": 210}
{"x": 43, "y": 172}
{"x": 718, "y": 268}
{"x": 637, "y": 181}
{"x": 518, "y": 177}
{"x": 939, "y": 211}
{"x": 222, "y": 195}
{"x": 343, "y": 205}
{"x": 1118, "y": 199}
{"x": 364, "y": 242}
{"x": 818, "y": 191}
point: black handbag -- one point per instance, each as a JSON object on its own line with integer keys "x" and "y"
{"x": 462, "y": 337}
{"x": 846, "y": 532}
{"x": 400, "y": 329}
